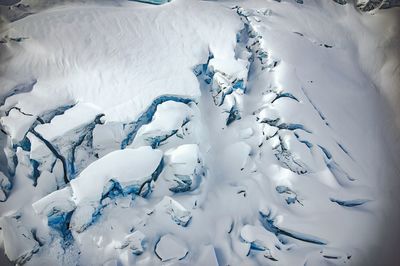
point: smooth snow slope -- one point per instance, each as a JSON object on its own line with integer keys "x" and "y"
{"x": 198, "y": 133}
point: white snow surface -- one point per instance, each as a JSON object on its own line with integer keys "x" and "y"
{"x": 298, "y": 167}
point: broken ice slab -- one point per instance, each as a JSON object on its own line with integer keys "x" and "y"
{"x": 259, "y": 239}
{"x": 227, "y": 76}
{"x": 5, "y": 187}
{"x": 72, "y": 119}
{"x": 131, "y": 169}
{"x": 223, "y": 86}
{"x": 170, "y": 248}
{"x": 134, "y": 242}
{"x": 231, "y": 67}
{"x": 58, "y": 207}
{"x": 19, "y": 244}
{"x": 178, "y": 213}
{"x": 186, "y": 167}
{"x": 169, "y": 118}
{"x": 16, "y": 124}
{"x": 267, "y": 115}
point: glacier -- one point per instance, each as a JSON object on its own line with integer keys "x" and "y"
{"x": 190, "y": 132}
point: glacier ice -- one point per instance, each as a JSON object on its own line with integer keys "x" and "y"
{"x": 194, "y": 132}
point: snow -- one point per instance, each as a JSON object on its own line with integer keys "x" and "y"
{"x": 207, "y": 257}
{"x": 170, "y": 248}
{"x": 198, "y": 133}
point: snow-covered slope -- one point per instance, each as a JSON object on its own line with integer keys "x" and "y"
{"x": 197, "y": 133}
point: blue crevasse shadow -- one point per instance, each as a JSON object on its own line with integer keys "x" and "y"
{"x": 268, "y": 224}
{"x": 147, "y": 116}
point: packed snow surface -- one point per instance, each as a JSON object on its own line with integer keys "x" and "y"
{"x": 192, "y": 132}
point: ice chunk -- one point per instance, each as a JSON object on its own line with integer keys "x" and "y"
{"x": 5, "y": 187}
{"x": 16, "y": 124}
{"x": 19, "y": 244}
{"x": 170, "y": 248}
{"x": 235, "y": 68}
{"x": 124, "y": 170}
{"x": 227, "y": 76}
{"x": 73, "y": 118}
{"x": 130, "y": 168}
{"x": 186, "y": 166}
{"x": 127, "y": 170}
{"x": 135, "y": 242}
{"x": 168, "y": 119}
{"x": 178, "y": 213}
